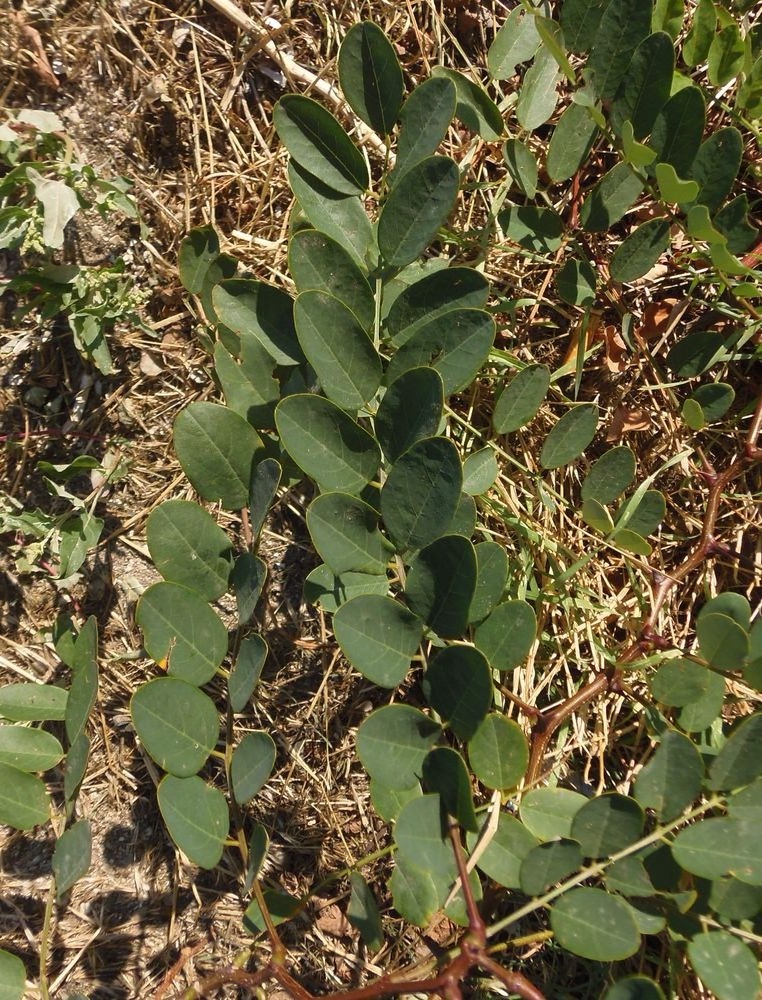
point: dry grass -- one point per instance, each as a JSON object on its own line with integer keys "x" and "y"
{"x": 176, "y": 98}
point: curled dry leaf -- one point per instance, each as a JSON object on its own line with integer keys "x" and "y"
{"x": 617, "y": 354}
{"x": 625, "y": 419}
{"x": 657, "y": 317}
{"x": 331, "y": 921}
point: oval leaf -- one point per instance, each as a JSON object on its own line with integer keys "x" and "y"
{"x": 24, "y": 801}
{"x": 29, "y": 749}
{"x": 725, "y": 965}
{"x": 507, "y": 635}
{"x": 418, "y": 205}
{"x": 378, "y": 636}
{"x": 521, "y": 399}
{"x": 251, "y": 766}
{"x": 188, "y": 547}
{"x": 410, "y": 411}
{"x": 595, "y": 925}
{"x": 570, "y": 436}
{"x": 424, "y": 120}
{"x": 196, "y": 816}
{"x": 370, "y": 76}
{"x": 441, "y": 584}
{"x": 498, "y": 752}
{"x": 392, "y": 744}
{"x": 458, "y": 686}
{"x": 177, "y": 724}
{"x": 316, "y": 261}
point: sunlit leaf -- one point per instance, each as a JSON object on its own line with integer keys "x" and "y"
{"x": 316, "y": 261}
{"x": 595, "y": 925}
{"x": 392, "y": 744}
{"x": 446, "y": 774}
{"x": 570, "y": 436}
{"x": 410, "y": 410}
{"x": 370, "y": 76}
{"x": 24, "y": 801}
{"x": 378, "y": 636}
{"x": 188, "y": 547}
{"x": 506, "y": 849}
{"x": 476, "y": 110}
{"x": 549, "y": 863}
{"x": 458, "y": 686}
{"x": 177, "y": 724}
{"x": 521, "y": 398}
{"x": 507, "y": 635}
{"x": 672, "y": 778}
{"x": 725, "y": 965}
{"x": 570, "y": 143}
{"x": 498, "y": 752}
{"x": 417, "y": 206}
{"x": 548, "y": 812}
{"x": 72, "y": 855}
{"x": 424, "y": 120}
{"x": 251, "y": 765}
{"x": 196, "y": 815}
{"x": 607, "y": 824}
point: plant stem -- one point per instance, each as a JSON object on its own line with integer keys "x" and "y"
{"x": 47, "y": 922}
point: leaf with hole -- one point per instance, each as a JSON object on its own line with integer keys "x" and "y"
{"x": 251, "y": 765}
{"x": 498, "y": 752}
{"x": 570, "y": 436}
{"x": 378, "y": 636}
{"x": 572, "y": 140}
{"x": 522, "y": 166}
{"x": 456, "y": 344}
{"x": 318, "y": 262}
{"x": 326, "y": 443}
{"x": 516, "y": 42}
{"x": 548, "y": 812}
{"x": 614, "y": 194}
{"x": 475, "y": 109}
{"x": 370, "y": 76}
{"x": 672, "y": 778}
{"x": 418, "y": 205}
{"x": 216, "y": 449}
{"x": 29, "y": 749}
{"x": 725, "y": 965}
{"x": 71, "y": 856}
{"x": 593, "y": 924}
{"x": 506, "y": 849}
{"x": 179, "y": 627}
{"x": 445, "y": 774}
{"x": 677, "y": 130}
{"x": 623, "y": 26}
{"x": 393, "y": 742}
{"x": 319, "y": 144}
{"x": 424, "y": 120}
{"x": 546, "y": 864}
{"x": 640, "y": 251}
{"x": 246, "y": 672}
{"x": 24, "y": 801}
{"x": 430, "y": 297}
{"x": 338, "y": 348}
{"x": 188, "y": 547}
{"x": 458, "y": 686}
{"x": 441, "y": 584}
{"x": 539, "y": 91}
{"x": 196, "y": 815}
{"x": 507, "y": 635}
{"x": 521, "y": 399}
{"x": 177, "y": 724}
{"x": 645, "y": 88}
{"x": 363, "y": 913}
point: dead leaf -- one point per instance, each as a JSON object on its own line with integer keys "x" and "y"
{"x": 617, "y": 353}
{"x": 148, "y": 366}
{"x": 331, "y": 921}
{"x": 626, "y": 419}
{"x": 656, "y": 318}
{"x": 40, "y": 62}
{"x": 591, "y": 335}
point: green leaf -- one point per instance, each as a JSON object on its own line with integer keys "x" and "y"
{"x": 610, "y": 475}
{"x": 537, "y": 229}
{"x": 319, "y": 144}
{"x": 701, "y": 713}
{"x": 595, "y": 925}
{"x": 498, "y": 752}
{"x": 455, "y": 343}
{"x": 735, "y": 606}
{"x": 316, "y": 261}
{"x": 252, "y": 765}
{"x": 189, "y": 548}
{"x": 29, "y": 749}
{"x": 695, "y": 353}
{"x": 480, "y": 470}
{"x": 572, "y": 140}
{"x": 417, "y": 206}
{"x": 716, "y": 165}
{"x": 24, "y": 801}
{"x": 491, "y": 578}
{"x": 668, "y": 17}
{"x": 507, "y": 635}
{"x": 392, "y": 744}
{"x": 464, "y": 520}
{"x": 338, "y": 348}
{"x": 624, "y": 24}
{"x": 521, "y": 399}
{"x": 259, "y": 844}
{"x": 522, "y": 166}
{"x": 473, "y": 107}
{"x": 71, "y": 856}
{"x": 680, "y": 682}
{"x": 580, "y": 21}
{"x": 370, "y": 76}
{"x": 726, "y": 55}
{"x": 634, "y": 988}
{"x": 247, "y": 670}
{"x": 458, "y": 686}
{"x": 414, "y": 893}
{"x": 693, "y": 415}
{"x": 345, "y": 533}
{"x": 180, "y": 627}
{"x": 329, "y": 592}
{"x": 441, "y": 584}
{"x": 597, "y": 516}
{"x": 248, "y": 579}
{"x": 570, "y": 436}
{"x": 216, "y": 449}
{"x": 672, "y": 778}
{"x": 249, "y": 387}
{"x": 340, "y": 216}
{"x": 445, "y": 773}
{"x": 79, "y": 534}
{"x": 548, "y": 812}
{"x": 12, "y": 976}
{"x": 739, "y": 762}
{"x": 410, "y": 411}
{"x": 265, "y": 479}
{"x": 699, "y": 38}
{"x": 74, "y": 772}
{"x": 646, "y": 517}
{"x": 421, "y": 838}
{"x": 637, "y": 154}
{"x": 378, "y": 636}
{"x": 714, "y": 399}
{"x": 30, "y": 702}
{"x": 607, "y": 824}
{"x": 177, "y": 724}
{"x": 516, "y": 42}
{"x": 723, "y": 643}
{"x": 677, "y": 131}
{"x": 326, "y": 443}
{"x": 255, "y": 309}
{"x": 547, "y": 864}
{"x": 84, "y": 684}
{"x": 725, "y": 965}
{"x": 629, "y": 877}
{"x": 196, "y": 815}
{"x": 614, "y": 194}
{"x": 421, "y": 493}
{"x": 424, "y": 120}
{"x": 363, "y": 913}
{"x": 576, "y": 282}
{"x": 506, "y": 849}
{"x": 388, "y": 802}
{"x": 638, "y": 253}
{"x": 280, "y": 905}
{"x": 734, "y": 900}
{"x": 721, "y": 846}
{"x": 539, "y": 95}
{"x": 430, "y": 297}
{"x": 197, "y": 259}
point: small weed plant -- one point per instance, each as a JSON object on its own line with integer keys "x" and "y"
{"x": 371, "y": 385}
